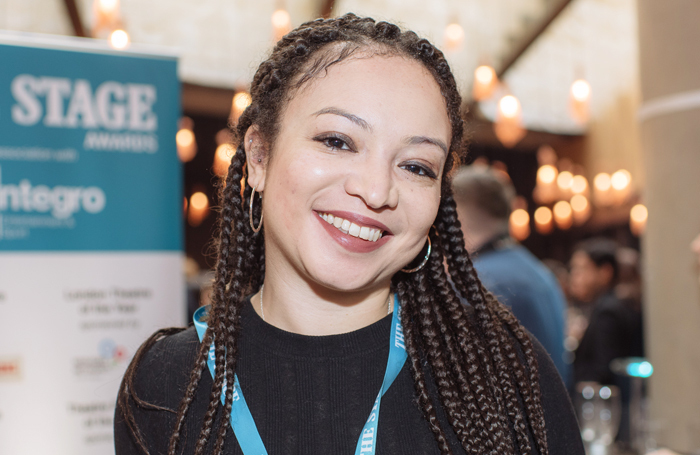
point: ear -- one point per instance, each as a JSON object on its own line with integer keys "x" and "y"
{"x": 256, "y": 152}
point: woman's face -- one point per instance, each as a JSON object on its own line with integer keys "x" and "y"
{"x": 365, "y": 143}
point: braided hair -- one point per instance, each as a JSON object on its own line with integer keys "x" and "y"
{"x": 484, "y": 365}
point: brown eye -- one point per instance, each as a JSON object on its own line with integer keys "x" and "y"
{"x": 419, "y": 170}
{"x": 335, "y": 142}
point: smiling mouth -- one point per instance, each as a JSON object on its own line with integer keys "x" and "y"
{"x": 350, "y": 228}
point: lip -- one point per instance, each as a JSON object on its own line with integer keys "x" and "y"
{"x": 347, "y": 241}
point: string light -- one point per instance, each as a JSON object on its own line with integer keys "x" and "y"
{"x": 222, "y": 159}
{"x": 581, "y": 209}
{"x": 509, "y": 106}
{"x": 581, "y": 90}
{"x": 281, "y": 23}
{"x": 199, "y": 209}
{"x": 508, "y": 126}
{"x": 485, "y": 81}
{"x": 547, "y": 174}
{"x": 454, "y": 35}
{"x": 519, "y": 224}
{"x": 580, "y": 101}
{"x": 620, "y": 179}
{"x": 108, "y": 6}
{"x": 563, "y": 215}
{"x": 119, "y": 39}
{"x": 579, "y": 184}
{"x": 543, "y": 220}
{"x": 638, "y": 219}
{"x": 240, "y": 102}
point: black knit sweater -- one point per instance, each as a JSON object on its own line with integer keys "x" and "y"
{"x": 312, "y": 395}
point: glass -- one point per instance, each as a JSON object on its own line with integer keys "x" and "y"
{"x": 598, "y": 407}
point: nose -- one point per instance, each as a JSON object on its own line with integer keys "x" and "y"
{"x": 372, "y": 180}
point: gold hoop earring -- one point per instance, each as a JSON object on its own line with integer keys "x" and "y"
{"x": 250, "y": 212}
{"x": 423, "y": 262}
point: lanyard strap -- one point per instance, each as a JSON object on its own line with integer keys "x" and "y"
{"x": 242, "y": 420}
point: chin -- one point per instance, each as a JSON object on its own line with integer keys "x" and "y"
{"x": 343, "y": 279}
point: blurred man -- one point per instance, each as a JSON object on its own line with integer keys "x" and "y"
{"x": 614, "y": 328}
{"x": 508, "y": 270}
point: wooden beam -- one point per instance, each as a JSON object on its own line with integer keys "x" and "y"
{"x": 75, "y": 19}
{"x": 532, "y": 37}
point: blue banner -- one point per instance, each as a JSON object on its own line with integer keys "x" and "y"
{"x": 88, "y": 157}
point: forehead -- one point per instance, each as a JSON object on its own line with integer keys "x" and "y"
{"x": 371, "y": 85}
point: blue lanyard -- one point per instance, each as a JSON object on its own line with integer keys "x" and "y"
{"x": 242, "y": 420}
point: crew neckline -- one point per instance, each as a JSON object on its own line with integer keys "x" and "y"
{"x": 275, "y": 341}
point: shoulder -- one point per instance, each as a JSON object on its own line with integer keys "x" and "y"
{"x": 163, "y": 372}
{"x": 158, "y": 381}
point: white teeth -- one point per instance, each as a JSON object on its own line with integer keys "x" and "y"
{"x": 364, "y": 232}
{"x": 345, "y": 226}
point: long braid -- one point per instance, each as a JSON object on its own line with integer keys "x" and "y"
{"x": 410, "y": 314}
{"x": 462, "y": 347}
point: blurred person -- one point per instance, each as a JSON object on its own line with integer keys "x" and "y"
{"x": 340, "y": 300}
{"x": 606, "y": 279}
{"x": 614, "y": 327}
{"x": 507, "y": 269}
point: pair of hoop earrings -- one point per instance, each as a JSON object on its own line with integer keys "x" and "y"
{"x": 257, "y": 229}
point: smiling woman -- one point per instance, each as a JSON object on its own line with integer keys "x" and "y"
{"x": 330, "y": 284}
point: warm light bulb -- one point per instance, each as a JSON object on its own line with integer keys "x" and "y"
{"x": 222, "y": 159}
{"x": 454, "y": 35}
{"x": 520, "y": 217}
{"x": 199, "y": 201}
{"x": 638, "y": 219}
{"x": 509, "y": 106}
{"x": 485, "y": 74}
{"x": 519, "y": 225}
{"x": 562, "y": 209}
{"x": 242, "y": 100}
{"x": 580, "y": 90}
{"x": 108, "y": 6}
{"x": 184, "y": 138}
{"x": 579, "y": 203}
{"x": 579, "y": 184}
{"x": 186, "y": 147}
{"x": 547, "y": 174}
{"x": 620, "y": 179}
{"x": 119, "y": 39}
{"x": 281, "y": 19}
{"x": 565, "y": 180}
{"x": 543, "y": 215}
{"x": 639, "y": 213}
{"x": 602, "y": 181}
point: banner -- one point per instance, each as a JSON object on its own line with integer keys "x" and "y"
{"x": 90, "y": 233}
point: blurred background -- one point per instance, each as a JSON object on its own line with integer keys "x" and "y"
{"x": 589, "y": 108}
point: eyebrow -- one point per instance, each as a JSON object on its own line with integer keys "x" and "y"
{"x": 416, "y": 140}
{"x": 353, "y": 118}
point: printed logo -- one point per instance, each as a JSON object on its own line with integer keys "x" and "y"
{"x": 109, "y": 356}
{"x": 112, "y": 107}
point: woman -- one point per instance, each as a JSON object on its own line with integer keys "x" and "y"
{"x": 346, "y": 216}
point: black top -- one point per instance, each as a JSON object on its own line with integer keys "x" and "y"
{"x": 311, "y": 394}
{"x": 614, "y": 331}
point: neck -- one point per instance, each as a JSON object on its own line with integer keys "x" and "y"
{"x": 316, "y": 311}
